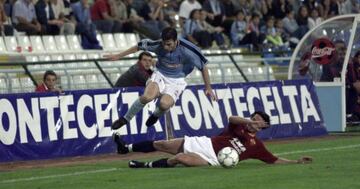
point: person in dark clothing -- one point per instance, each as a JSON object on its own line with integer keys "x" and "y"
{"x": 138, "y": 74}
{"x": 353, "y": 88}
{"x": 46, "y": 17}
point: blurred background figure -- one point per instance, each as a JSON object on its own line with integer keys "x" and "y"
{"x": 5, "y": 27}
{"x": 138, "y": 74}
{"x": 24, "y": 18}
{"x": 49, "y": 83}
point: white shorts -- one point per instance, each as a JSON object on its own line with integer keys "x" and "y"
{"x": 170, "y": 86}
{"x": 201, "y": 146}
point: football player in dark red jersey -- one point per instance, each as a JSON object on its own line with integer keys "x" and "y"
{"x": 201, "y": 151}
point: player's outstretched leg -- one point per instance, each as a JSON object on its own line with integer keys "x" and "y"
{"x": 161, "y": 163}
{"x": 123, "y": 148}
{"x": 119, "y": 123}
{"x": 136, "y": 164}
{"x": 121, "y": 145}
{"x": 151, "y": 120}
{"x": 166, "y": 102}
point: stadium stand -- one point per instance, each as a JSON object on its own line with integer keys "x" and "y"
{"x": 83, "y": 74}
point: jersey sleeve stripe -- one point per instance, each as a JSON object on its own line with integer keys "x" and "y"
{"x": 202, "y": 57}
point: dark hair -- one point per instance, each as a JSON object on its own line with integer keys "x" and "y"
{"x": 169, "y": 33}
{"x": 357, "y": 54}
{"x": 191, "y": 16}
{"x": 144, "y": 54}
{"x": 255, "y": 15}
{"x": 239, "y": 11}
{"x": 265, "y": 117}
{"x": 49, "y": 72}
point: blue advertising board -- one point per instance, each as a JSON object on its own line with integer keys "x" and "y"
{"x": 78, "y": 123}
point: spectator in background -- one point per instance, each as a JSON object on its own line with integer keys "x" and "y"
{"x": 295, "y": 4}
{"x": 314, "y": 19}
{"x": 192, "y": 31}
{"x": 302, "y": 17}
{"x": 129, "y": 17}
{"x": 353, "y": 88}
{"x": 49, "y": 83}
{"x": 311, "y": 4}
{"x": 291, "y": 26}
{"x": 215, "y": 32}
{"x": 5, "y": 29}
{"x": 216, "y": 12}
{"x": 243, "y": 32}
{"x": 153, "y": 14}
{"x": 330, "y": 9}
{"x": 254, "y": 26}
{"x": 272, "y": 36}
{"x": 246, "y": 6}
{"x": 230, "y": 13}
{"x": 344, "y": 6}
{"x": 46, "y": 17}
{"x": 355, "y": 6}
{"x": 138, "y": 74}
{"x": 280, "y": 7}
{"x": 62, "y": 14}
{"x": 84, "y": 25}
{"x": 186, "y": 7}
{"x": 24, "y": 18}
{"x": 267, "y": 8}
{"x": 103, "y": 18}
{"x": 279, "y": 27}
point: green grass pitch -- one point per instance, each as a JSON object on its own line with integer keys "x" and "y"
{"x": 336, "y": 165}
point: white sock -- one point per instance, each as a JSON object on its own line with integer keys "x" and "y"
{"x": 134, "y": 109}
{"x": 130, "y": 147}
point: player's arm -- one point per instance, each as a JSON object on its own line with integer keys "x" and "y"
{"x": 257, "y": 125}
{"x": 206, "y": 78}
{"x": 301, "y": 160}
{"x": 131, "y": 50}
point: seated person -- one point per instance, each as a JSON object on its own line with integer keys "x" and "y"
{"x": 49, "y": 83}
{"x": 5, "y": 28}
{"x": 138, "y": 74}
{"x": 46, "y": 17}
{"x": 24, "y": 18}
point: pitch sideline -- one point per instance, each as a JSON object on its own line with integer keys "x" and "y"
{"x": 117, "y": 169}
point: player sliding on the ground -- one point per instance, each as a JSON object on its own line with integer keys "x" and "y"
{"x": 201, "y": 151}
{"x": 176, "y": 59}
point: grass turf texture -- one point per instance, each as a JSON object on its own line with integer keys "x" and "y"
{"x": 337, "y": 168}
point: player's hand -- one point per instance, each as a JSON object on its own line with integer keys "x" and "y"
{"x": 112, "y": 57}
{"x": 305, "y": 159}
{"x": 210, "y": 93}
{"x": 258, "y": 125}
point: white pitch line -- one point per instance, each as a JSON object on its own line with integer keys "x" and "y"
{"x": 319, "y": 149}
{"x": 59, "y": 175}
{"x": 116, "y": 169}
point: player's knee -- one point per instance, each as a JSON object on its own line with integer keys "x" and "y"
{"x": 181, "y": 157}
{"x": 165, "y": 105}
{"x": 160, "y": 145}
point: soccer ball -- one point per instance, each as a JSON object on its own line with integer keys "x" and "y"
{"x": 228, "y": 157}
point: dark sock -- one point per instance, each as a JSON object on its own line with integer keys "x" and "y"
{"x": 161, "y": 163}
{"x": 145, "y": 146}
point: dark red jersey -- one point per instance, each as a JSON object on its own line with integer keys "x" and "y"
{"x": 42, "y": 88}
{"x": 245, "y": 143}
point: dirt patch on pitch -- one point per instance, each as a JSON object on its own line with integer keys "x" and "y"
{"x": 61, "y": 162}
{"x": 115, "y": 157}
